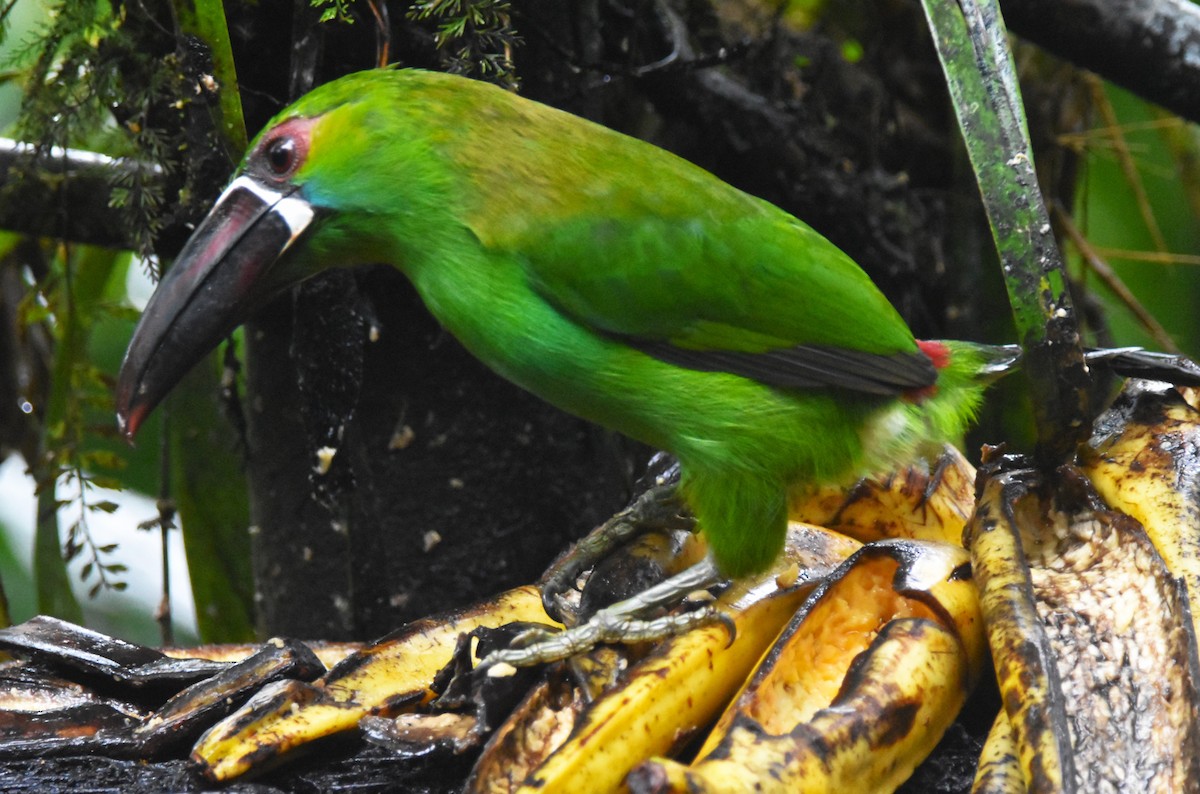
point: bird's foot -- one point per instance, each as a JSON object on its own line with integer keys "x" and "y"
{"x": 658, "y": 507}
{"x": 619, "y": 623}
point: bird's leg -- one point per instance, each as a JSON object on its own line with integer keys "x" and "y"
{"x": 619, "y": 622}
{"x": 658, "y": 507}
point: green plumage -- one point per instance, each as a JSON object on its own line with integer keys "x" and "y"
{"x": 630, "y": 287}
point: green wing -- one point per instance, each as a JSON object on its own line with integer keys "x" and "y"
{"x": 760, "y": 295}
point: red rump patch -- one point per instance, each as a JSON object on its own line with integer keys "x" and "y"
{"x": 938, "y": 353}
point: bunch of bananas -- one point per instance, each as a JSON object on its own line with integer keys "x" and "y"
{"x": 808, "y": 686}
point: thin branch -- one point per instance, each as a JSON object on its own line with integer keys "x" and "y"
{"x": 1148, "y": 46}
{"x": 65, "y": 195}
{"x": 1184, "y": 145}
{"x": 165, "y": 522}
{"x": 383, "y": 33}
{"x": 1153, "y": 257}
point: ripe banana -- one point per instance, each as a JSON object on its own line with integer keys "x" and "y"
{"x": 999, "y": 769}
{"x": 676, "y": 690}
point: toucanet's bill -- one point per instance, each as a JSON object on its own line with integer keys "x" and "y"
{"x": 613, "y": 279}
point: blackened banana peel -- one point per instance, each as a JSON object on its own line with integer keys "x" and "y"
{"x": 387, "y": 677}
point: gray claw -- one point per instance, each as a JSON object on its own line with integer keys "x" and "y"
{"x": 619, "y": 623}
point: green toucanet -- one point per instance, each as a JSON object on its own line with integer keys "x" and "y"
{"x": 613, "y": 279}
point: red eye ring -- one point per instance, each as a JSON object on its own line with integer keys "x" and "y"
{"x": 283, "y": 150}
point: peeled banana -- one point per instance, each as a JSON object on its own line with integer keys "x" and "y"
{"x": 859, "y": 688}
{"x": 682, "y": 685}
{"x": 1142, "y": 460}
{"x": 1091, "y": 640}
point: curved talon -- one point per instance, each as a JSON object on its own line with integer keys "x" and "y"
{"x": 560, "y": 607}
{"x": 619, "y": 622}
{"x": 658, "y": 507}
{"x": 604, "y": 628}
{"x": 943, "y": 463}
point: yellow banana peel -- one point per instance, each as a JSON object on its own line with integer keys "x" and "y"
{"x": 384, "y": 678}
{"x": 1142, "y": 460}
{"x": 857, "y": 690}
{"x": 913, "y": 503}
{"x": 680, "y": 686}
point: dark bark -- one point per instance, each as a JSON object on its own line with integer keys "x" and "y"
{"x": 448, "y": 483}
{"x": 1151, "y": 47}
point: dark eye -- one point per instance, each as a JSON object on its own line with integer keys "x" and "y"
{"x": 283, "y": 150}
{"x": 281, "y": 155}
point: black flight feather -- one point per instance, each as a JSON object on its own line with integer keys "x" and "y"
{"x": 805, "y": 366}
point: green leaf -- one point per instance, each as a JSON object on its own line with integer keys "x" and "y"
{"x": 110, "y": 483}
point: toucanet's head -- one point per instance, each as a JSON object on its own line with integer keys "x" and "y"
{"x": 317, "y": 188}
